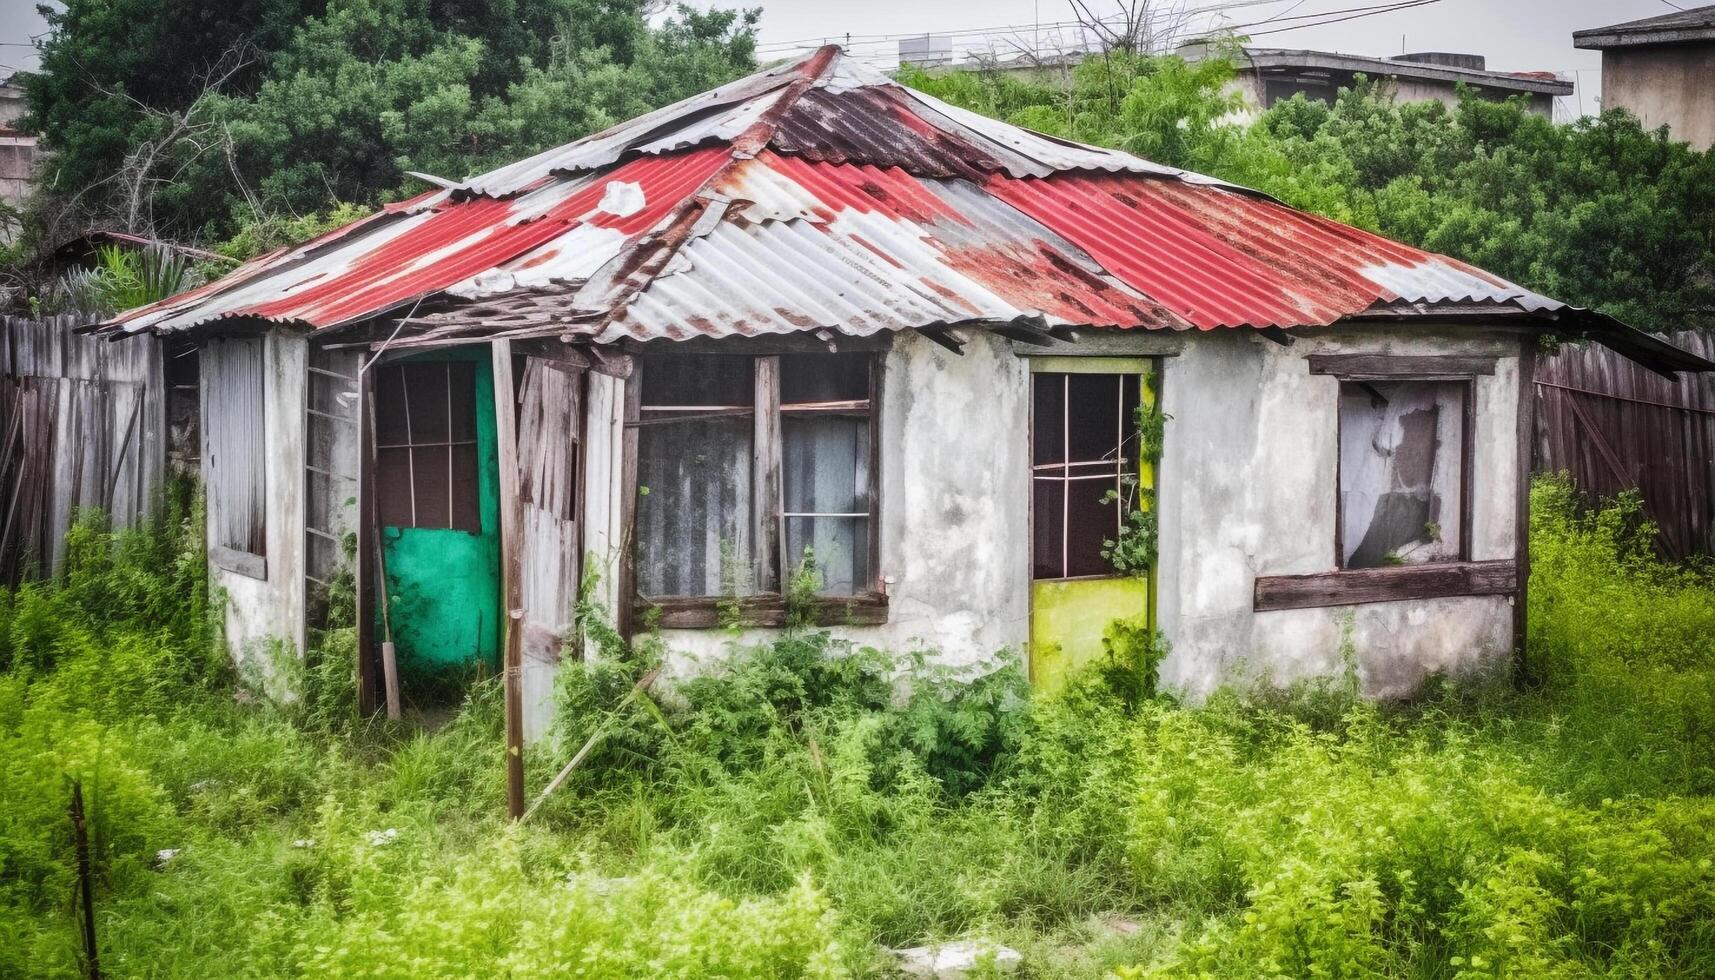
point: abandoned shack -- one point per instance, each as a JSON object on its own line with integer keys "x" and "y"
{"x": 996, "y": 390}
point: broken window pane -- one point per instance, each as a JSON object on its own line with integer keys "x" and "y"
{"x": 694, "y": 461}
{"x": 425, "y": 433}
{"x": 1084, "y": 446}
{"x": 1402, "y": 453}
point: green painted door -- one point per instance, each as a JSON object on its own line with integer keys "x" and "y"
{"x": 437, "y": 503}
{"x": 1088, "y": 472}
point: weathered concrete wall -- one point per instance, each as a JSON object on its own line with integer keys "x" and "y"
{"x": 1249, "y": 487}
{"x": 266, "y": 615}
{"x": 955, "y": 499}
{"x": 1669, "y": 85}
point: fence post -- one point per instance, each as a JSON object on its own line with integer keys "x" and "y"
{"x": 80, "y": 840}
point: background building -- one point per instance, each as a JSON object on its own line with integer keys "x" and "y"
{"x": 1662, "y": 69}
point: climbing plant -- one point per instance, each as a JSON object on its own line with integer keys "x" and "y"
{"x": 1132, "y": 550}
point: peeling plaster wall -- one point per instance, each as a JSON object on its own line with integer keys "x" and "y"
{"x": 955, "y": 507}
{"x": 1249, "y": 487}
{"x": 266, "y": 614}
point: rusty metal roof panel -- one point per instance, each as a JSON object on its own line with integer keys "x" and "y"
{"x": 1223, "y": 259}
{"x": 857, "y": 249}
{"x": 402, "y": 256}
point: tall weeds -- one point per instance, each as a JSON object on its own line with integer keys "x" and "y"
{"x": 794, "y": 808}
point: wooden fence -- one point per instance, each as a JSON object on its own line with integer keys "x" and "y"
{"x": 82, "y": 424}
{"x": 1616, "y": 426}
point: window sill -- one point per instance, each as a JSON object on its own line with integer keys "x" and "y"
{"x": 706, "y": 612}
{"x": 1357, "y": 586}
{"x": 240, "y": 562}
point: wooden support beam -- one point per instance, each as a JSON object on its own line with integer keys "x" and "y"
{"x": 1521, "y": 507}
{"x": 511, "y": 572}
{"x": 1357, "y": 586}
{"x": 766, "y": 536}
{"x": 626, "y": 622}
{"x": 1414, "y": 367}
{"x": 944, "y": 337}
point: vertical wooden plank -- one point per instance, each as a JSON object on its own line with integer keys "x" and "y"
{"x": 1521, "y": 513}
{"x": 767, "y": 536}
{"x": 365, "y": 570}
{"x": 876, "y": 362}
{"x": 625, "y": 615}
{"x": 511, "y": 552}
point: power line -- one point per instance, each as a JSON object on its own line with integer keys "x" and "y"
{"x": 1003, "y": 28}
{"x": 1349, "y": 16}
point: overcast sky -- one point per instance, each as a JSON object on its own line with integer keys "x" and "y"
{"x": 1515, "y": 35}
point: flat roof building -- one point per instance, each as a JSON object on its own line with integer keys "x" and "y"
{"x": 1661, "y": 69}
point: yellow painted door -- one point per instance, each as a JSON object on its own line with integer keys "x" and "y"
{"x": 1088, "y": 472}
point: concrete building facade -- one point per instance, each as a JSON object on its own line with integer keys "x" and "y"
{"x": 1662, "y": 70}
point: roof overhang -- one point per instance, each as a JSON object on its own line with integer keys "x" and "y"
{"x": 1695, "y": 26}
{"x": 1266, "y": 58}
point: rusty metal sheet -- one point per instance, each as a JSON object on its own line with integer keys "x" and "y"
{"x": 860, "y": 249}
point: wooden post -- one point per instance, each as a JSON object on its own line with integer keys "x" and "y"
{"x": 80, "y": 840}
{"x": 625, "y": 616}
{"x": 767, "y": 556}
{"x": 1521, "y": 511}
{"x": 367, "y": 538}
{"x": 511, "y": 556}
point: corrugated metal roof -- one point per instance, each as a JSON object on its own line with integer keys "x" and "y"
{"x": 858, "y": 249}
{"x": 821, "y": 195}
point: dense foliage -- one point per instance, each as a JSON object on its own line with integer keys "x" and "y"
{"x": 226, "y": 113}
{"x": 1599, "y": 213}
{"x": 790, "y": 809}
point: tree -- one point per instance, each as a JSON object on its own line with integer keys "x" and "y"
{"x": 337, "y": 99}
{"x": 1600, "y": 213}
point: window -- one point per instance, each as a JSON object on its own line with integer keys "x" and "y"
{"x": 825, "y": 449}
{"x": 425, "y": 443}
{"x": 749, "y": 466}
{"x": 234, "y": 444}
{"x": 694, "y": 448}
{"x": 1402, "y": 471}
{"x": 1084, "y": 442}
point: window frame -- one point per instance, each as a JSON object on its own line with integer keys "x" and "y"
{"x": 1467, "y": 428}
{"x": 1427, "y": 580}
{"x": 223, "y": 553}
{"x": 1130, "y": 370}
{"x": 412, "y": 443}
{"x": 867, "y": 605}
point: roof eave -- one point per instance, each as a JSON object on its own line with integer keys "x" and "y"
{"x": 1602, "y": 38}
{"x": 1304, "y": 58}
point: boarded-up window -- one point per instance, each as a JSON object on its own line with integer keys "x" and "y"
{"x": 694, "y": 477}
{"x": 1084, "y": 443}
{"x": 425, "y": 439}
{"x": 708, "y": 426}
{"x": 825, "y": 461}
{"x": 235, "y": 444}
{"x": 1402, "y": 463}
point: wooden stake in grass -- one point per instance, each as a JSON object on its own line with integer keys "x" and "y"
{"x": 80, "y": 840}
{"x": 640, "y": 689}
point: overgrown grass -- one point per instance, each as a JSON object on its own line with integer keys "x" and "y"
{"x": 792, "y": 812}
